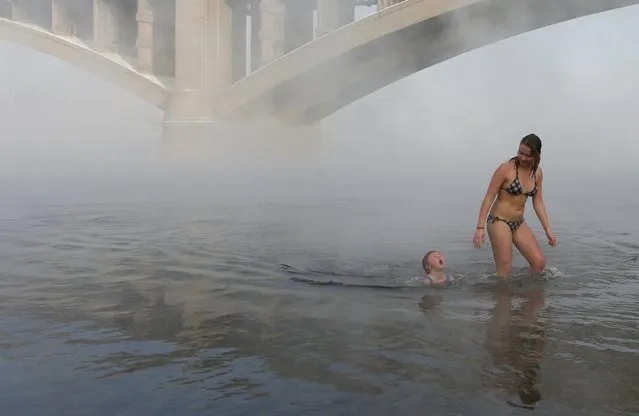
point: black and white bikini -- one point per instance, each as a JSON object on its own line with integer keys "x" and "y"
{"x": 515, "y": 188}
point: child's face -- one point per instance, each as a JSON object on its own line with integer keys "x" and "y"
{"x": 436, "y": 261}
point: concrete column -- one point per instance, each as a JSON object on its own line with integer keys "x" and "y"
{"x": 105, "y": 25}
{"x": 298, "y": 23}
{"x": 61, "y": 22}
{"x": 271, "y": 31}
{"x": 72, "y": 18}
{"x": 127, "y": 27}
{"x": 256, "y": 25}
{"x": 144, "y": 42}
{"x": 163, "y": 37}
{"x": 238, "y": 38}
{"x": 382, "y": 4}
{"x": 5, "y": 9}
{"x": 285, "y": 25}
{"x": 333, "y": 14}
{"x": 202, "y": 58}
{"x": 36, "y": 12}
{"x": 19, "y": 11}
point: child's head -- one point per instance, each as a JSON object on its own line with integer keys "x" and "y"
{"x": 433, "y": 261}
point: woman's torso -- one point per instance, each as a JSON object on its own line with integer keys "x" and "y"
{"x": 514, "y": 192}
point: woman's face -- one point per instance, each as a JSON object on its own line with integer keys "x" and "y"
{"x": 525, "y": 155}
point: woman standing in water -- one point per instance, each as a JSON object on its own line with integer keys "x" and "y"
{"x": 512, "y": 183}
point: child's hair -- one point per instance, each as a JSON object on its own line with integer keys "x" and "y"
{"x": 425, "y": 260}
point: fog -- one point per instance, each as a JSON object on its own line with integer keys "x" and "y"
{"x": 155, "y": 257}
{"x": 434, "y": 136}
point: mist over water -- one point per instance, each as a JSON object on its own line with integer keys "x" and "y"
{"x": 148, "y": 274}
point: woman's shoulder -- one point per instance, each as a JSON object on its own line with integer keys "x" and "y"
{"x": 507, "y": 165}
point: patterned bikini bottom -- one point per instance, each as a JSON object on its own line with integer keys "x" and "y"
{"x": 512, "y": 224}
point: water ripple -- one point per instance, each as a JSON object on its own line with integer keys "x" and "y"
{"x": 180, "y": 302}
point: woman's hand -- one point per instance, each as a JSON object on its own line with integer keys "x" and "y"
{"x": 478, "y": 238}
{"x": 551, "y": 238}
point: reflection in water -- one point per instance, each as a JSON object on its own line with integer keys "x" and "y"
{"x": 431, "y": 303}
{"x": 163, "y": 297}
{"x": 273, "y": 334}
{"x": 515, "y": 339}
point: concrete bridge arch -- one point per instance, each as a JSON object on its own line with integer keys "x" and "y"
{"x": 73, "y": 51}
{"x": 315, "y": 80}
{"x": 247, "y": 60}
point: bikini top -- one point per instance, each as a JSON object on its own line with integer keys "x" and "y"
{"x": 515, "y": 187}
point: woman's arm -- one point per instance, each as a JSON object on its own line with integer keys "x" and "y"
{"x": 538, "y": 203}
{"x": 491, "y": 193}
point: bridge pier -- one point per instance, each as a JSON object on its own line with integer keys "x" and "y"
{"x": 160, "y": 35}
{"x": 32, "y": 11}
{"x": 203, "y": 55}
{"x": 238, "y": 39}
{"x": 61, "y": 22}
{"x": 298, "y": 23}
{"x": 72, "y": 18}
{"x": 285, "y": 25}
{"x": 5, "y": 9}
{"x": 19, "y": 11}
{"x": 271, "y": 30}
{"x": 382, "y": 4}
{"x": 256, "y": 24}
{"x": 105, "y": 25}
{"x": 333, "y": 14}
{"x": 145, "y": 39}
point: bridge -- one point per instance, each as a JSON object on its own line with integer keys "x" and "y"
{"x": 296, "y": 61}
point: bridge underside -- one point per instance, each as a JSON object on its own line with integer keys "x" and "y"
{"x": 71, "y": 50}
{"x": 249, "y": 60}
{"x": 294, "y": 91}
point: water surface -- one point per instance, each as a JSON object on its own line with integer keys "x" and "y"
{"x": 148, "y": 305}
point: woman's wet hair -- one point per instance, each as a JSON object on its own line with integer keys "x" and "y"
{"x": 534, "y": 142}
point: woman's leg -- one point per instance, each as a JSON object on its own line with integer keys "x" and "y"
{"x": 528, "y": 246}
{"x": 501, "y": 240}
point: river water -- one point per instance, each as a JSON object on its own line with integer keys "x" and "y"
{"x": 139, "y": 287}
{"x": 146, "y": 275}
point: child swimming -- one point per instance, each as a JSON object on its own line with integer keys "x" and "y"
{"x": 433, "y": 264}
